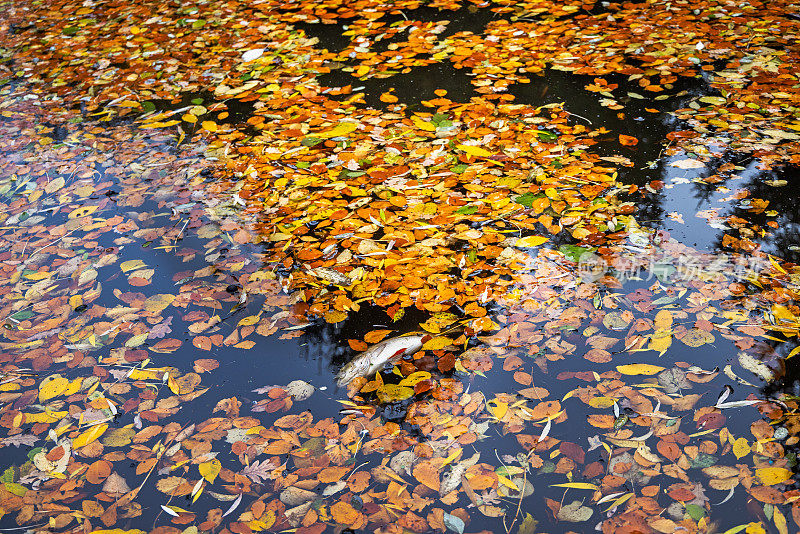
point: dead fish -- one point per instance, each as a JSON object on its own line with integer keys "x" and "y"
{"x": 374, "y": 358}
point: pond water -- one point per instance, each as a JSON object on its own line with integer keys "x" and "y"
{"x": 147, "y": 261}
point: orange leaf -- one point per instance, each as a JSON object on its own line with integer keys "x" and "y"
{"x": 627, "y": 140}
{"x": 331, "y": 474}
{"x": 376, "y": 335}
{"x": 355, "y": 344}
{"x": 427, "y": 475}
{"x": 344, "y": 514}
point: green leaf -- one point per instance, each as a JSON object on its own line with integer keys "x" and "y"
{"x": 70, "y": 30}
{"x": 148, "y": 106}
{"x": 695, "y": 512}
{"x": 311, "y": 141}
{"x": 198, "y": 24}
{"x": 197, "y": 101}
{"x": 575, "y": 252}
{"x": 22, "y": 315}
{"x": 467, "y": 210}
{"x": 17, "y": 489}
{"x": 528, "y": 525}
{"x": 546, "y": 136}
{"x": 527, "y": 199}
{"x": 703, "y": 460}
{"x": 8, "y": 475}
{"x": 460, "y": 168}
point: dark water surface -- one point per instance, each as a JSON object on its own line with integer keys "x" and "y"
{"x": 672, "y": 206}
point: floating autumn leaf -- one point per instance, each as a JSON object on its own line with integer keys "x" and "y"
{"x": 427, "y": 475}
{"x": 437, "y": 343}
{"x": 576, "y": 485}
{"x": 376, "y": 336}
{"x": 252, "y": 55}
{"x": 627, "y": 140}
{"x": 741, "y": 448}
{"x": 770, "y": 476}
{"x": 344, "y": 513}
{"x": 688, "y": 164}
{"x": 341, "y": 129}
{"x": 415, "y": 378}
{"x": 52, "y": 386}
{"x": 83, "y": 211}
{"x": 90, "y": 435}
{"x": 205, "y": 365}
{"x": 473, "y": 150}
{"x": 574, "y": 512}
{"x": 392, "y": 393}
{"x": 639, "y": 369}
{"x": 209, "y": 470}
{"x": 695, "y": 337}
{"x": 531, "y": 241}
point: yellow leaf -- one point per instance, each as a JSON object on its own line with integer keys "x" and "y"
{"x": 45, "y": 417}
{"x": 437, "y": 343}
{"x": 619, "y": 500}
{"x": 173, "y": 386}
{"x": 751, "y": 528}
{"x": 474, "y": 150}
{"x": 414, "y": 378}
{"x": 52, "y": 386}
{"x": 660, "y": 341}
{"x": 362, "y": 71}
{"x": 157, "y": 303}
{"x": 146, "y": 374}
{"x": 499, "y": 410}
{"x": 39, "y": 275}
{"x": 423, "y": 125}
{"x": 118, "y": 531}
{"x": 663, "y": 320}
{"x": 75, "y": 301}
{"x": 575, "y": 485}
{"x": 131, "y": 265}
{"x": 137, "y": 340}
{"x": 209, "y": 470}
{"x": 639, "y": 369}
{"x": 770, "y": 476}
{"x": 793, "y": 352}
{"x": 211, "y": 126}
{"x": 776, "y": 265}
{"x": 782, "y": 312}
{"x": 188, "y": 117}
{"x": 83, "y": 211}
{"x": 249, "y": 320}
{"x": 601, "y": 402}
{"x": 89, "y": 436}
{"x": 341, "y": 129}
{"x": 453, "y": 455}
{"x": 506, "y": 482}
{"x": 73, "y": 387}
{"x": 532, "y": 241}
{"x": 780, "y": 521}
{"x": 393, "y": 392}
